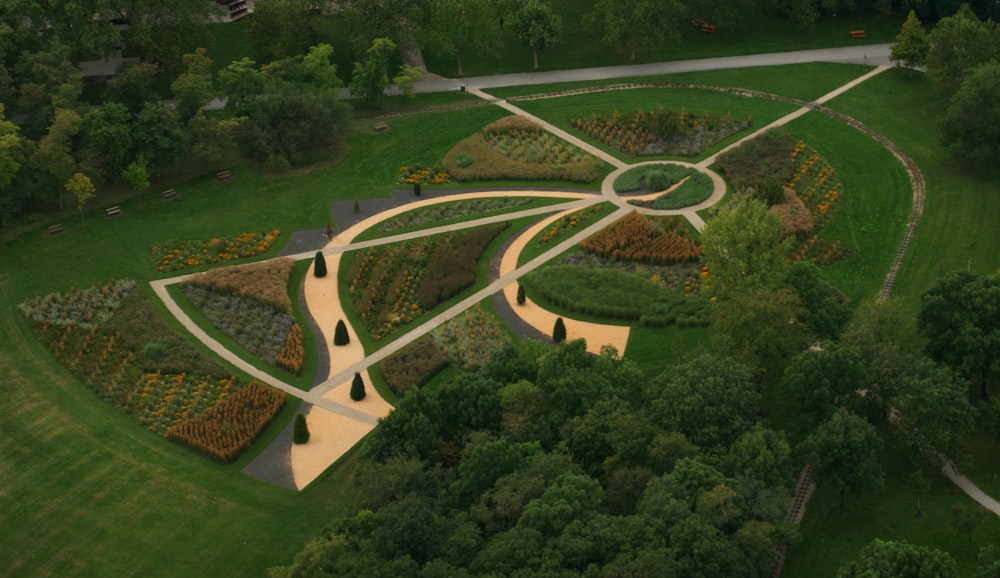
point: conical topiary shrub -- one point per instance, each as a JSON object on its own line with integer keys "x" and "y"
{"x": 559, "y": 331}
{"x": 416, "y": 189}
{"x": 300, "y": 431}
{"x": 319, "y": 269}
{"x": 520, "y": 295}
{"x": 357, "y": 206}
{"x": 357, "y": 388}
{"x": 329, "y": 231}
{"x": 340, "y": 336}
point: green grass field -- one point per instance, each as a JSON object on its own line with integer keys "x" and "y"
{"x": 95, "y": 494}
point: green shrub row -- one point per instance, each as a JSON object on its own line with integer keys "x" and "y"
{"x": 413, "y": 366}
{"x": 614, "y": 294}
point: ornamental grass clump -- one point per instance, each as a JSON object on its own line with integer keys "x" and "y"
{"x": 266, "y": 281}
{"x": 81, "y": 307}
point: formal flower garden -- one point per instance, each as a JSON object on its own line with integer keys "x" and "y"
{"x": 113, "y": 341}
{"x": 661, "y": 131}
{"x": 179, "y": 255}
{"x": 449, "y": 211}
{"x": 516, "y": 149}
{"x": 391, "y": 285}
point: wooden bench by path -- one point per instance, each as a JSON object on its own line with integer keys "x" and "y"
{"x": 169, "y": 195}
{"x": 381, "y": 127}
{"x": 857, "y": 34}
{"x": 708, "y": 28}
{"x": 223, "y": 176}
{"x": 113, "y": 211}
{"x": 56, "y": 229}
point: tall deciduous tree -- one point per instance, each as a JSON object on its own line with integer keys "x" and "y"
{"x": 827, "y": 378}
{"x": 193, "y": 89}
{"x": 743, "y": 245}
{"x": 957, "y": 44}
{"x": 844, "y": 452}
{"x": 11, "y": 153}
{"x": 971, "y": 127}
{"x": 371, "y": 78}
{"x": 934, "y": 415}
{"x": 53, "y": 158}
{"x": 459, "y": 25}
{"x": 137, "y": 175}
{"x": 638, "y": 25}
{"x": 891, "y": 559}
{"x": 538, "y": 26}
{"x": 960, "y": 317}
{"x": 286, "y": 28}
{"x": 80, "y": 186}
{"x": 711, "y": 400}
{"x": 911, "y": 44}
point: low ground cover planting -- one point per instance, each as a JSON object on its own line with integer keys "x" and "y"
{"x": 516, "y": 149}
{"x": 694, "y": 189}
{"x": 660, "y": 131}
{"x": 180, "y": 255}
{"x": 393, "y": 284}
{"x": 466, "y": 341}
{"x": 649, "y": 240}
{"x": 650, "y": 178}
{"x": 132, "y": 360}
{"x": 449, "y": 211}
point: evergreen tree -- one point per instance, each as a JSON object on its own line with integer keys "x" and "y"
{"x": 520, "y": 295}
{"x": 320, "y": 269}
{"x": 358, "y": 388}
{"x": 416, "y": 189}
{"x": 559, "y": 331}
{"x": 300, "y": 432}
{"x": 340, "y": 336}
{"x": 357, "y": 207}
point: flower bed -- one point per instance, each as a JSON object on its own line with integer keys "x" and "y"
{"x": 413, "y": 366}
{"x": 660, "y": 132}
{"x": 266, "y": 281}
{"x": 180, "y": 255}
{"x": 565, "y": 226}
{"x": 417, "y": 175}
{"x": 469, "y": 340}
{"x": 110, "y": 357}
{"x": 449, "y": 211}
{"x": 81, "y": 307}
{"x": 227, "y": 430}
{"x": 635, "y": 238}
{"x": 259, "y": 327}
{"x": 393, "y": 284}
{"x": 517, "y": 149}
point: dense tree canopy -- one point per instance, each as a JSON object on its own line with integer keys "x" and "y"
{"x": 892, "y": 559}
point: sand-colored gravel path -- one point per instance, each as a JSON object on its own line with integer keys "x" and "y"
{"x": 597, "y": 335}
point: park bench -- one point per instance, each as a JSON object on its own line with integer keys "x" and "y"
{"x": 856, "y": 34}
{"x": 708, "y": 28}
{"x": 381, "y": 126}
{"x": 169, "y": 194}
{"x": 223, "y": 176}
{"x": 113, "y": 211}
{"x": 56, "y": 229}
